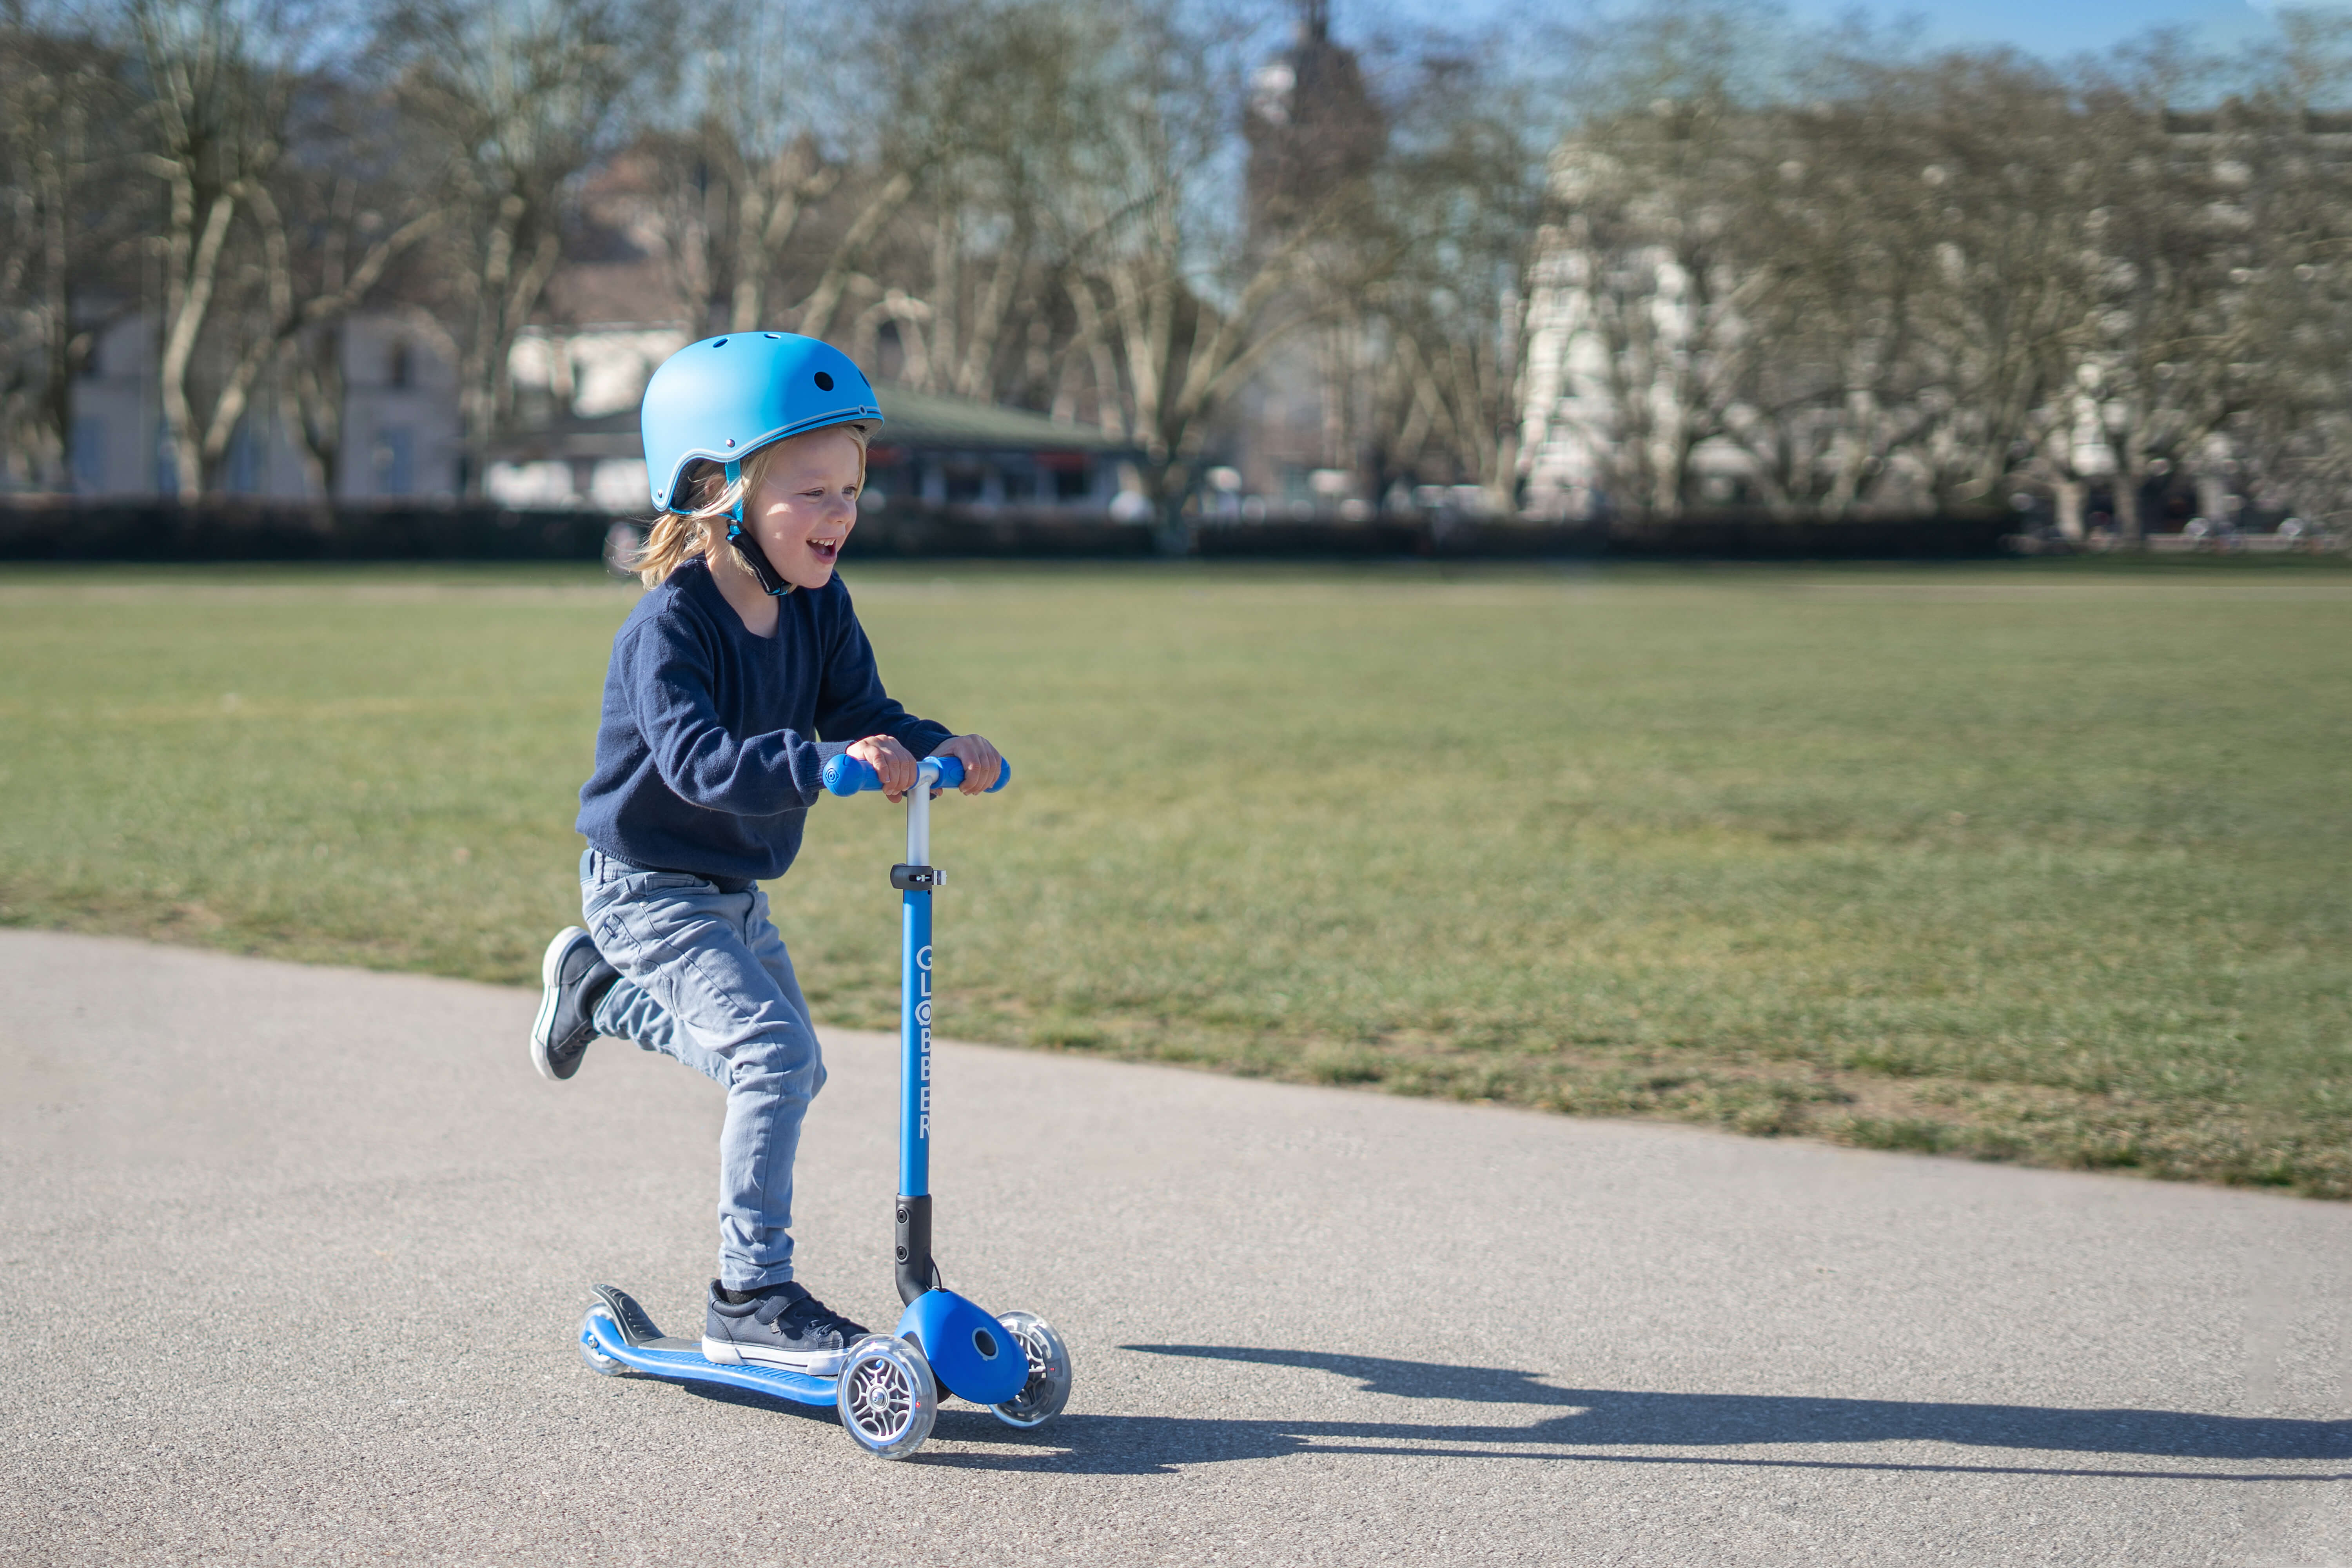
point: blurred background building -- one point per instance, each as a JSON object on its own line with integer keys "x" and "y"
{"x": 575, "y": 440}
{"x": 394, "y": 410}
{"x": 1295, "y": 436}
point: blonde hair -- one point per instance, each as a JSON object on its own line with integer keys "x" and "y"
{"x": 675, "y": 538}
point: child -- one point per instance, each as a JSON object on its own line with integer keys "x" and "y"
{"x": 743, "y": 654}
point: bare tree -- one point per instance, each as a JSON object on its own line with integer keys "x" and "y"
{"x": 62, "y": 102}
{"x": 751, "y": 133}
{"x": 512, "y": 100}
{"x": 1871, "y": 280}
{"x": 219, "y": 83}
{"x": 1935, "y": 259}
{"x": 1651, "y": 258}
{"x": 1447, "y": 269}
{"x": 2296, "y": 148}
{"x": 974, "y": 295}
{"x": 359, "y": 209}
{"x": 225, "y": 89}
{"x": 1180, "y": 300}
{"x": 2216, "y": 230}
{"x": 2004, "y": 214}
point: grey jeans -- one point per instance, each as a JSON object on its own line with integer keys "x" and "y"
{"x": 705, "y": 979}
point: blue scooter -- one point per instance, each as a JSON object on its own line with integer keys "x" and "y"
{"x": 889, "y": 1387}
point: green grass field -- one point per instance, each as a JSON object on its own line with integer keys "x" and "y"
{"x": 2043, "y": 862}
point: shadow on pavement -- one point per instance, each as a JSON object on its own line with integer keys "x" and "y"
{"x": 1601, "y": 1419}
{"x": 1605, "y": 1418}
{"x": 721, "y": 1394}
{"x": 1608, "y": 1416}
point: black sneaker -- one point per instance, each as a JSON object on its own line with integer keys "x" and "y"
{"x": 783, "y": 1326}
{"x": 573, "y": 977}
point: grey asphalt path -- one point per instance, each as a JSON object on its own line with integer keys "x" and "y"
{"x": 294, "y": 1258}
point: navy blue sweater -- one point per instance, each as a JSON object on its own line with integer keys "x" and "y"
{"x": 707, "y": 758}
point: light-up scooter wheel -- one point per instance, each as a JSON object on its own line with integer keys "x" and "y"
{"x": 1048, "y": 1388}
{"x": 886, "y": 1397}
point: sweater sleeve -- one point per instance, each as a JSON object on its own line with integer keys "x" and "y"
{"x": 746, "y": 775}
{"x": 851, "y": 703}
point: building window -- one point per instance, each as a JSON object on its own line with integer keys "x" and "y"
{"x": 244, "y": 465}
{"x": 88, "y": 456}
{"x": 1070, "y": 479}
{"x": 395, "y": 460}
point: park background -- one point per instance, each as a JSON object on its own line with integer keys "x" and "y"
{"x": 2032, "y": 857}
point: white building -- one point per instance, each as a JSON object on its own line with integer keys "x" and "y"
{"x": 576, "y": 393}
{"x": 1646, "y": 394}
{"x": 400, "y": 434}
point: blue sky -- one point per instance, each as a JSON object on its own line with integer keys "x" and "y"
{"x": 2052, "y": 28}
{"x": 2060, "y": 27}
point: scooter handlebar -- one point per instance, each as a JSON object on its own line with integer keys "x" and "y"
{"x": 846, "y": 775}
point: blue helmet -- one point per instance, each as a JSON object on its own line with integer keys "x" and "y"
{"x": 724, "y": 398}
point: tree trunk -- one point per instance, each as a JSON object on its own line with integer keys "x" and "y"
{"x": 57, "y": 390}
{"x": 2131, "y": 525}
{"x": 750, "y": 299}
{"x": 2069, "y": 497}
{"x": 312, "y": 404}
{"x": 1502, "y": 486}
{"x": 507, "y": 294}
{"x": 193, "y": 295}
{"x": 816, "y": 316}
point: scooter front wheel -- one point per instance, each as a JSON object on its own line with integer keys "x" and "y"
{"x": 1048, "y": 1388}
{"x": 887, "y": 1396}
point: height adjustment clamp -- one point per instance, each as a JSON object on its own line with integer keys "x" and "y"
{"x": 917, "y": 878}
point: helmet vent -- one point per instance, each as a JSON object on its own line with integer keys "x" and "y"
{"x": 772, "y": 334}
{"x": 720, "y": 343}
{"x": 823, "y": 382}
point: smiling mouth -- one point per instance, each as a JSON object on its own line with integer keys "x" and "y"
{"x": 825, "y": 550}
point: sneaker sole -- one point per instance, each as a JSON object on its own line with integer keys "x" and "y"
{"x": 548, "y": 995}
{"x": 811, "y": 1364}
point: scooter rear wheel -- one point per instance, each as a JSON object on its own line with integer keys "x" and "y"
{"x": 887, "y": 1396}
{"x": 598, "y": 1362}
{"x": 1048, "y": 1388}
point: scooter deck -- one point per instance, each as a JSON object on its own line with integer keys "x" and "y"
{"x": 625, "y": 1333}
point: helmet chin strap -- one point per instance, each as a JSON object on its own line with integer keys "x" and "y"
{"x": 748, "y": 547}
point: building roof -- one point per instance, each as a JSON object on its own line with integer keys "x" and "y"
{"x": 913, "y": 418}
{"x": 910, "y": 419}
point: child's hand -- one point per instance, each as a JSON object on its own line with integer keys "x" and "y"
{"x": 892, "y": 760}
{"x": 980, "y": 762}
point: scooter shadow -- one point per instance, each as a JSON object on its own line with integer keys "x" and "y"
{"x": 746, "y": 1399}
{"x": 1593, "y": 1423}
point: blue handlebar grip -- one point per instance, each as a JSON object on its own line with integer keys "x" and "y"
{"x": 951, "y": 772}
{"x": 845, "y": 774}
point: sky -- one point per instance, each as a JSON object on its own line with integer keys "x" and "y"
{"x": 2055, "y": 28}
{"x": 2052, "y": 28}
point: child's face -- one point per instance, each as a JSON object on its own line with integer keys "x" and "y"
{"x": 805, "y": 505}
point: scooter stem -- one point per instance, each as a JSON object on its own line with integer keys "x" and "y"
{"x": 915, "y": 1271}
{"x": 846, "y": 775}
